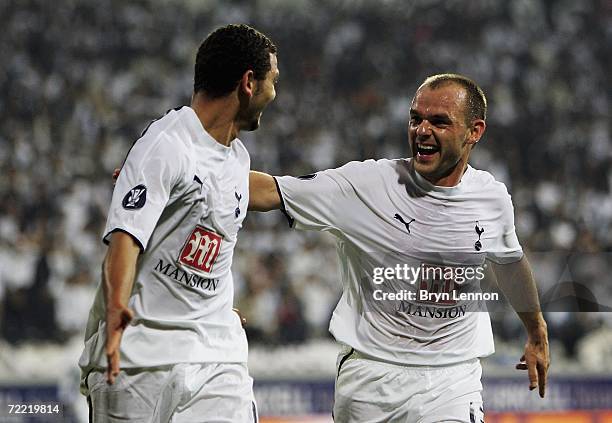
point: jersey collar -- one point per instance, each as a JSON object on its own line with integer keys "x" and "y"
{"x": 199, "y": 133}
{"x": 424, "y": 184}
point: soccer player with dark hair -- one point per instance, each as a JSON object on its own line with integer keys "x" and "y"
{"x": 417, "y": 359}
{"x": 162, "y": 342}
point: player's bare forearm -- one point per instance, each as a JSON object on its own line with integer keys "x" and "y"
{"x": 518, "y": 285}
{"x": 118, "y": 271}
{"x": 263, "y": 195}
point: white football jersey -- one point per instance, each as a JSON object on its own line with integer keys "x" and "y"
{"x": 392, "y": 227}
{"x": 183, "y": 197}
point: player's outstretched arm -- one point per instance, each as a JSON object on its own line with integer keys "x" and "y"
{"x": 118, "y": 271}
{"x": 518, "y": 285}
{"x": 263, "y": 195}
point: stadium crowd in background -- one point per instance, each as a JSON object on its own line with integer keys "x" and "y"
{"x": 80, "y": 80}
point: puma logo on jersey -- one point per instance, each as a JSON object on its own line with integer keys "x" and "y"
{"x": 401, "y": 219}
{"x": 479, "y": 232}
{"x": 135, "y": 198}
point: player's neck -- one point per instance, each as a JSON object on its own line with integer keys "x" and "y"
{"x": 217, "y": 117}
{"x": 451, "y": 178}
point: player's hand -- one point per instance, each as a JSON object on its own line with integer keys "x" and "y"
{"x": 117, "y": 319}
{"x": 242, "y": 318}
{"x": 116, "y": 173}
{"x": 536, "y": 361}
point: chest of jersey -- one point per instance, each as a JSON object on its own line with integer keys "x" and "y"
{"x": 211, "y": 206}
{"x": 424, "y": 225}
{"x": 444, "y": 225}
{"x": 219, "y": 199}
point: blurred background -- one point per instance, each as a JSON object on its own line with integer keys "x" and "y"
{"x": 79, "y": 80}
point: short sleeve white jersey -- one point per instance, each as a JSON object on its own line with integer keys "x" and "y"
{"x": 397, "y": 233}
{"x": 183, "y": 197}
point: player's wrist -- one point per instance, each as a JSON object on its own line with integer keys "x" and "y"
{"x": 533, "y": 321}
{"x": 116, "y": 307}
{"x": 538, "y": 332}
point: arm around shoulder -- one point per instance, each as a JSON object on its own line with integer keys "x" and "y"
{"x": 263, "y": 193}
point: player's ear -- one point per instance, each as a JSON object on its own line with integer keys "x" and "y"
{"x": 247, "y": 83}
{"x": 476, "y": 130}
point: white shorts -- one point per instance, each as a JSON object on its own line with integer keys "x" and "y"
{"x": 368, "y": 390}
{"x": 210, "y": 392}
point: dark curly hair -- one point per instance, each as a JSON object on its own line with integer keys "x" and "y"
{"x": 476, "y": 100}
{"x": 226, "y": 54}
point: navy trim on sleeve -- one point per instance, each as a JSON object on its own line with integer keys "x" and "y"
{"x": 283, "y": 209}
{"x": 136, "y": 240}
